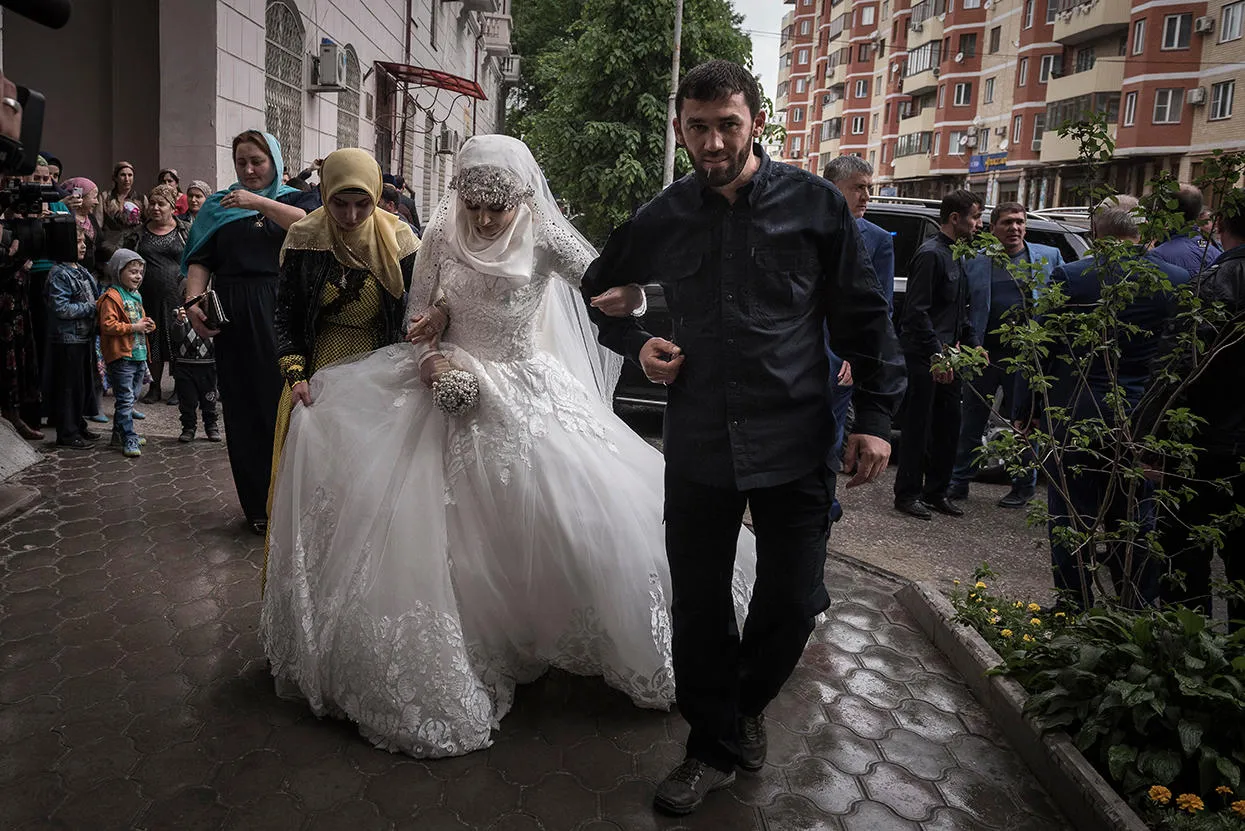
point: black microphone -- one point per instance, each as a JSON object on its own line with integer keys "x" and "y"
{"x": 51, "y": 13}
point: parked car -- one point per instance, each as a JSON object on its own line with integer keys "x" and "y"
{"x": 910, "y": 222}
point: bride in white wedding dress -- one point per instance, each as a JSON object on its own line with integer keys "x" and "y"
{"x": 422, "y": 564}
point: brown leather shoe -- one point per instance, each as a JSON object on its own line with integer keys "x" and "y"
{"x": 687, "y": 786}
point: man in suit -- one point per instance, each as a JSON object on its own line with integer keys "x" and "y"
{"x": 1080, "y": 486}
{"x": 1194, "y": 249}
{"x": 853, "y": 176}
{"x": 993, "y": 294}
{"x": 935, "y": 317}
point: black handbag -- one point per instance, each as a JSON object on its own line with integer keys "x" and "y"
{"x": 210, "y": 303}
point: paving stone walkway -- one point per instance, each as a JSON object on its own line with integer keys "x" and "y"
{"x": 134, "y": 694}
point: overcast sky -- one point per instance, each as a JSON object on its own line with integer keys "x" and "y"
{"x": 763, "y": 22}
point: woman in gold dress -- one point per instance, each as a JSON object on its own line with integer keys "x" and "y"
{"x": 345, "y": 269}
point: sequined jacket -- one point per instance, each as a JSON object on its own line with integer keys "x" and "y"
{"x": 300, "y": 288}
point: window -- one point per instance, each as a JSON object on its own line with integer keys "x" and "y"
{"x": 1052, "y": 9}
{"x": 877, "y": 84}
{"x": 942, "y": 95}
{"x": 996, "y": 35}
{"x": 348, "y": 103}
{"x": 858, "y": 125}
{"x": 955, "y": 142}
{"x": 804, "y": 26}
{"x": 1139, "y": 36}
{"x": 987, "y": 95}
{"x": 1048, "y": 64}
{"x": 867, "y": 16}
{"x": 1167, "y": 103}
{"x": 963, "y": 94}
{"x": 1022, "y": 73}
{"x": 1221, "y": 96}
{"x": 801, "y": 84}
{"x": 886, "y": 8}
{"x": 862, "y": 52}
{"x": 802, "y": 56}
{"x": 911, "y": 145}
{"x": 1085, "y": 59}
{"x": 797, "y": 144}
{"x": 925, "y": 56}
{"x": 1018, "y": 124}
{"x": 862, "y": 88}
{"x": 1029, "y": 14}
{"x": 1039, "y": 127}
{"x": 1130, "y": 109}
{"x": 1230, "y": 23}
{"x": 968, "y": 45}
{"x": 797, "y": 115}
{"x": 972, "y": 4}
{"x": 937, "y": 137}
{"x": 283, "y": 78}
{"x": 1177, "y": 30}
{"x": 874, "y": 127}
{"x": 873, "y": 157}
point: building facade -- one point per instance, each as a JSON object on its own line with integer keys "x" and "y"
{"x": 169, "y": 83}
{"x": 940, "y": 94}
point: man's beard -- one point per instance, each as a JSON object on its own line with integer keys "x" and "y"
{"x": 717, "y": 179}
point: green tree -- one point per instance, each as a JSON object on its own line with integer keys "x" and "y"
{"x": 592, "y": 103}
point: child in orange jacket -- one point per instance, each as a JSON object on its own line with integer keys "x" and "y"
{"x": 123, "y": 330}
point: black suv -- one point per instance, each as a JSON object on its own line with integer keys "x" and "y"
{"x": 910, "y": 222}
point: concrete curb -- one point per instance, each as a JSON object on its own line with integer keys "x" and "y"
{"x": 16, "y": 500}
{"x": 1085, "y": 798}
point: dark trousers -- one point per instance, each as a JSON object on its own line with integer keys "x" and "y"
{"x": 718, "y": 674}
{"x": 930, "y": 434}
{"x": 1134, "y": 574}
{"x": 70, "y": 366}
{"x": 1194, "y": 558}
{"x": 974, "y": 416}
{"x": 195, "y": 388}
{"x": 250, "y": 385}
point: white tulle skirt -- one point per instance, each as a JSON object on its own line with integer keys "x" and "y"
{"x": 422, "y": 565}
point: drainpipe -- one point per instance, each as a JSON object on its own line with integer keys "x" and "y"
{"x": 406, "y": 59}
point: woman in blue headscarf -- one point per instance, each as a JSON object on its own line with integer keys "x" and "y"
{"x": 236, "y": 240}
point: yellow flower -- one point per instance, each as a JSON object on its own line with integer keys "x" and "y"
{"x": 1033, "y": 607}
{"x": 1160, "y": 794}
{"x": 1007, "y": 633}
{"x": 1190, "y": 802}
{"x": 1035, "y": 622}
{"x": 1027, "y": 639}
{"x": 994, "y": 611}
{"x": 1020, "y": 604}
{"x": 1238, "y": 807}
{"x": 1060, "y": 615}
{"x": 994, "y": 621}
{"x": 1223, "y": 790}
{"x": 979, "y": 585}
{"x": 955, "y": 582}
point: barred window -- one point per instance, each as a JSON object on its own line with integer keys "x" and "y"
{"x": 283, "y": 84}
{"x": 348, "y": 103}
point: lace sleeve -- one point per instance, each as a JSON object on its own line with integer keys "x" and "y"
{"x": 562, "y": 254}
{"x": 426, "y": 279}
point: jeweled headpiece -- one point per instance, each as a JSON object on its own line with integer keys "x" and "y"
{"x": 488, "y": 184}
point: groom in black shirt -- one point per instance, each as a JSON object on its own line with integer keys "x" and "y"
{"x": 757, "y": 260}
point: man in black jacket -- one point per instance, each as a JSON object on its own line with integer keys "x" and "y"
{"x": 1221, "y": 438}
{"x": 757, "y": 259}
{"x": 935, "y": 316}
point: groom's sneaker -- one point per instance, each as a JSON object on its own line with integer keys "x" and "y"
{"x": 687, "y": 785}
{"x": 752, "y": 743}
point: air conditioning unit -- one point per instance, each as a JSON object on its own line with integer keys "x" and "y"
{"x": 1204, "y": 25}
{"x": 1037, "y": 144}
{"x": 448, "y": 142}
{"x": 970, "y": 141}
{"x": 1197, "y": 95}
{"x": 329, "y": 68}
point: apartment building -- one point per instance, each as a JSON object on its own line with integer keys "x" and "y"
{"x": 940, "y": 94}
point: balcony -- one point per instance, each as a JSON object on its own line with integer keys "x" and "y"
{"x": 510, "y": 69}
{"x": 1105, "y": 76}
{"x": 1056, "y": 149}
{"x": 921, "y": 83}
{"x": 1077, "y": 21}
{"x": 912, "y": 167}
{"x": 922, "y": 122}
{"x": 495, "y": 33}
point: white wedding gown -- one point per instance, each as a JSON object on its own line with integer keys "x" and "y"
{"x": 422, "y": 565}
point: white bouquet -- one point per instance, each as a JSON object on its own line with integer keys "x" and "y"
{"x": 456, "y": 392}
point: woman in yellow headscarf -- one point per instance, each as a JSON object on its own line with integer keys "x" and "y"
{"x": 345, "y": 269}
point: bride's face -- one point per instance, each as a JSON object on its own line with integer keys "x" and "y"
{"x": 489, "y": 221}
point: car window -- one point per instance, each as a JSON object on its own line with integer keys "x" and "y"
{"x": 907, "y": 230}
{"x": 1070, "y": 244}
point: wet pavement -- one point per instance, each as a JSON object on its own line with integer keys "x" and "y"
{"x": 134, "y": 694}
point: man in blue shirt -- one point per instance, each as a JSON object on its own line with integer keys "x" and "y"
{"x": 1192, "y": 251}
{"x": 992, "y": 295}
{"x": 853, "y": 176}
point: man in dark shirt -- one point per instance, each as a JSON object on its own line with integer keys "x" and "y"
{"x": 935, "y": 316}
{"x": 756, "y": 259}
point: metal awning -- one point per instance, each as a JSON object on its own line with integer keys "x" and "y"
{"x": 421, "y": 77}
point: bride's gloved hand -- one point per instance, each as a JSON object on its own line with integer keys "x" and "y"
{"x": 433, "y": 366}
{"x": 428, "y": 325}
{"x": 620, "y": 301}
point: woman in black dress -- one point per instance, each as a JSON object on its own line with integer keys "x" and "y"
{"x": 237, "y": 237}
{"x": 160, "y": 242}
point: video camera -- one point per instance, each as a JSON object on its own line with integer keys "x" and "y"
{"x": 38, "y": 237}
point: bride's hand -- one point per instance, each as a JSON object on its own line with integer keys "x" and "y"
{"x": 301, "y": 394}
{"x": 427, "y": 326}
{"x": 433, "y": 367}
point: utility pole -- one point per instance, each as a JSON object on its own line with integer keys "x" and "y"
{"x": 668, "y": 173}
